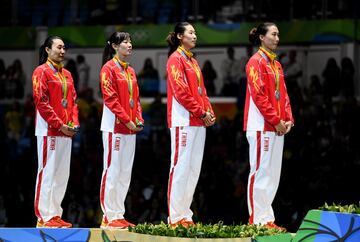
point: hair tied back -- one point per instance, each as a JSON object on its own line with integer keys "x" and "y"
{"x": 253, "y": 31}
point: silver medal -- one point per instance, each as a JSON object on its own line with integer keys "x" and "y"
{"x": 64, "y": 103}
{"x": 200, "y": 90}
{"x": 131, "y": 103}
{"x": 277, "y": 95}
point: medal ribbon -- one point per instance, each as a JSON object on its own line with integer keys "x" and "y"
{"x": 262, "y": 52}
{"x": 187, "y": 54}
{"x": 122, "y": 65}
{"x": 56, "y": 67}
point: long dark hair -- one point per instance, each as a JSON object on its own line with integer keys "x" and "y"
{"x": 43, "y": 55}
{"x": 115, "y": 38}
{"x": 262, "y": 29}
{"x": 172, "y": 38}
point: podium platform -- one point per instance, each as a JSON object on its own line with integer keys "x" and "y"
{"x": 91, "y": 235}
{"x": 317, "y": 226}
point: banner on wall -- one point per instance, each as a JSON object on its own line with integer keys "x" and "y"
{"x": 151, "y": 35}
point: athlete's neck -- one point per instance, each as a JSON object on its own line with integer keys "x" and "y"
{"x": 267, "y": 49}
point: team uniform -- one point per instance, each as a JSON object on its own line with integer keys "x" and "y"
{"x": 187, "y": 102}
{"x": 267, "y": 102}
{"x": 121, "y": 105}
{"x": 54, "y": 96}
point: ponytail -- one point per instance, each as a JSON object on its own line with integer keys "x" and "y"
{"x": 253, "y": 38}
{"x": 115, "y": 38}
{"x": 173, "y": 42}
{"x": 108, "y": 53}
{"x": 43, "y": 55}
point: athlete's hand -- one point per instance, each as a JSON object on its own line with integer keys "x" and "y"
{"x": 67, "y": 130}
{"x": 213, "y": 119}
{"x": 288, "y": 125}
{"x": 280, "y": 128}
{"x": 209, "y": 119}
{"x": 130, "y": 125}
{"x": 139, "y": 126}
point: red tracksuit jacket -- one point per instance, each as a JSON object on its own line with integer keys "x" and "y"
{"x": 116, "y": 109}
{"x": 262, "y": 110}
{"x": 185, "y": 105}
{"x": 48, "y": 94}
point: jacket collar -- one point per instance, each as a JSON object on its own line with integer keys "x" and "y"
{"x": 123, "y": 64}
{"x": 271, "y": 55}
{"x": 188, "y": 53}
{"x": 57, "y": 66}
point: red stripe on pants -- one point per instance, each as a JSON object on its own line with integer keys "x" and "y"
{"x": 38, "y": 189}
{"x": 103, "y": 182}
{"x": 252, "y": 180}
{"x": 176, "y": 156}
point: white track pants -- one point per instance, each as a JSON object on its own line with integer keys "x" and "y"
{"x": 119, "y": 151}
{"x": 266, "y": 150}
{"x": 54, "y": 154}
{"x": 187, "y": 149}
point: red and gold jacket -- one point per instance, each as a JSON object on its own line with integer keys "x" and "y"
{"x": 267, "y": 101}
{"x": 115, "y": 77}
{"x": 48, "y": 92}
{"x": 187, "y": 100}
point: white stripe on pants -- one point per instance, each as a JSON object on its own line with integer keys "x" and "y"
{"x": 266, "y": 150}
{"x": 119, "y": 151}
{"x": 54, "y": 154}
{"x": 187, "y": 149}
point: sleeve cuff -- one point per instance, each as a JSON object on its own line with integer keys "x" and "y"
{"x": 276, "y": 121}
{"x": 126, "y": 120}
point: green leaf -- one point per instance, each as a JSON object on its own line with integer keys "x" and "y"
{"x": 105, "y": 237}
{"x": 218, "y": 230}
{"x": 352, "y": 208}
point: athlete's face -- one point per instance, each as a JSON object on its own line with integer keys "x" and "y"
{"x": 123, "y": 49}
{"x": 57, "y": 51}
{"x": 188, "y": 38}
{"x": 271, "y": 39}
